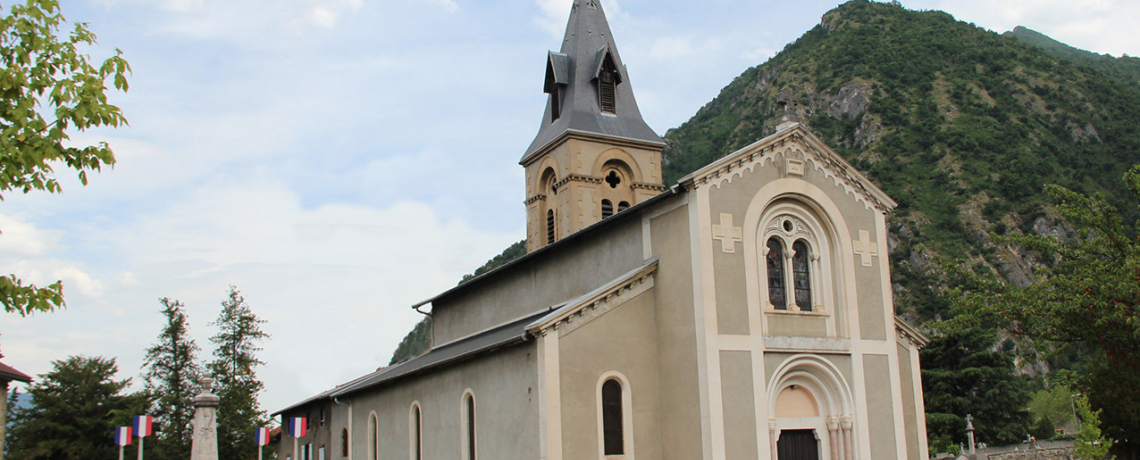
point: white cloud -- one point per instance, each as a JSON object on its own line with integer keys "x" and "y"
{"x": 323, "y": 17}
{"x": 1103, "y": 26}
{"x": 72, "y": 276}
{"x": 18, "y": 236}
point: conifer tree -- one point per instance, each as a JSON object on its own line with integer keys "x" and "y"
{"x": 963, "y": 375}
{"x": 74, "y": 410}
{"x": 236, "y": 383}
{"x": 172, "y": 373}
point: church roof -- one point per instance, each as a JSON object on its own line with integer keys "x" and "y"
{"x": 492, "y": 339}
{"x": 8, "y": 373}
{"x": 574, "y": 70}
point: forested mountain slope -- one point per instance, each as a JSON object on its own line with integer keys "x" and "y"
{"x": 961, "y": 126}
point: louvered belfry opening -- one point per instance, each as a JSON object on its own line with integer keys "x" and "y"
{"x": 549, "y": 226}
{"x": 607, "y": 85}
{"x": 623, "y": 206}
{"x": 607, "y": 208}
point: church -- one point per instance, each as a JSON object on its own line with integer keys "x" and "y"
{"x": 743, "y": 313}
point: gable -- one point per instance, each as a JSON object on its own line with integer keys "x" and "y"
{"x": 798, "y": 149}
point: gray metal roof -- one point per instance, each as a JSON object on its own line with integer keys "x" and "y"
{"x": 492, "y": 339}
{"x": 587, "y": 41}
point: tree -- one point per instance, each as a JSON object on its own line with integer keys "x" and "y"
{"x": 963, "y": 375}
{"x": 234, "y": 369}
{"x": 172, "y": 373}
{"x": 1089, "y": 296}
{"x": 48, "y": 87}
{"x": 1090, "y": 443}
{"x": 74, "y": 409}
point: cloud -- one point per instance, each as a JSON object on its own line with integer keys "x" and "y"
{"x": 1103, "y": 26}
{"x": 448, "y": 5}
{"x": 18, "y": 236}
{"x": 323, "y": 17}
{"x": 72, "y": 276}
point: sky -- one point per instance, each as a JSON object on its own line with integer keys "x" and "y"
{"x": 340, "y": 160}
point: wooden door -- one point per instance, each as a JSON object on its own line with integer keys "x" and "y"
{"x": 797, "y": 445}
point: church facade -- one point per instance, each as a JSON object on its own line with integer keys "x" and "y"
{"x": 745, "y": 312}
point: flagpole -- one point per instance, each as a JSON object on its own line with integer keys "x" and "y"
{"x": 296, "y": 453}
{"x": 120, "y": 452}
{"x": 141, "y": 439}
{"x": 259, "y": 451}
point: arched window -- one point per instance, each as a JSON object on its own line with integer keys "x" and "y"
{"x": 801, "y": 275}
{"x": 468, "y": 426}
{"x": 775, "y": 258}
{"x": 614, "y": 442}
{"x": 623, "y": 206}
{"x": 373, "y": 438}
{"x": 607, "y": 208}
{"x": 549, "y": 226}
{"x": 415, "y": 431}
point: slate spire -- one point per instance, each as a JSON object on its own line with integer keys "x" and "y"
{"x": 589, "y": 87}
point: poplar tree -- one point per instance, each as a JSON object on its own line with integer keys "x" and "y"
{"x": 234, "y": 370}
{"x": 171, "y": 374}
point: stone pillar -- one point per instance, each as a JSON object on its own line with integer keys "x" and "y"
{"x": 848, "y": 447}
{"x": 970, "y": 433}
{"x": 833, "y": 437}
{"x": 205, "y": 437}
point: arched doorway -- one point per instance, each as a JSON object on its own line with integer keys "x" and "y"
{"x": 811, "y": 409}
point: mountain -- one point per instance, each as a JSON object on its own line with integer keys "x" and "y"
{"x": 1125, "y": 68}
{"x": 963, "y": 127}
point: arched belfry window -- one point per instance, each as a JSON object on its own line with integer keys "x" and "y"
{"x": 775, "y": 257}
{"x": 623, "y": 206}
{"x": 613, "y": 434}
{"x": 607, "y": 208}
{"x": 801, "y": 275}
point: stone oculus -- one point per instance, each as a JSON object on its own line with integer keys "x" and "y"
{"x": 742, "y": 313}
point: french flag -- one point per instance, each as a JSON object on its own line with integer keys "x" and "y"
{"x": 262, "y": 436}
{"x": 123, "y": 436}
{"x": 143, "y": 425}
{"x": 297, "y": 427}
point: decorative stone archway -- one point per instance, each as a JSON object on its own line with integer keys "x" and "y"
{"x": 807, "y": 392}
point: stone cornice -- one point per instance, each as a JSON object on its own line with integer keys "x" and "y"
{"x": 647, "y": 186}
{"x": 910, "y": 334}
{"x": 582, "y": 310}
{"x": 588, "y": 136}
{"x": 531, "y": 200}
{"x": 791, "y": 141}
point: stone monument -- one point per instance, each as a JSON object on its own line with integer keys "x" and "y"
{"x": 205, "y": 438}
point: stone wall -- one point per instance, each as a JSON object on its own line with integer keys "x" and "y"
{"x": 1057, "y": 453}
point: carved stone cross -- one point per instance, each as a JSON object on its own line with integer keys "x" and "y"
{"x": 728, "y": 234}
{"x": 865, "y": 248}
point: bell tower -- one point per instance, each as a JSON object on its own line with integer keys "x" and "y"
{"x": 594, "y": 156}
